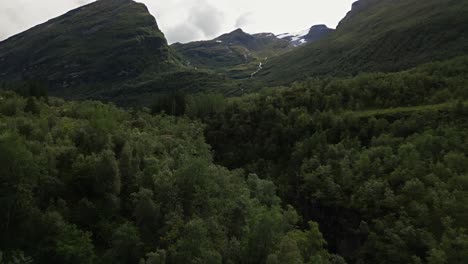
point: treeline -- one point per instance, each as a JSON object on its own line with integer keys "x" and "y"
{"x": 90, "y": 183}
{"x": 193, "y": 106}
{"x": 378, "y": 160}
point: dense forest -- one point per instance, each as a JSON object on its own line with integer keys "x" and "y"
{"x": 370, "y": 169}
{"x": 379, "y": 160}
{"x": 90, "y": 183}
{"x": 370, "y": 158}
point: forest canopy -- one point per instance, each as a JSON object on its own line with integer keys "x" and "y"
{"x": 90, "y": 183}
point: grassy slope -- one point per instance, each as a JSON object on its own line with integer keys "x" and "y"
{"x": 382, "y": 36}
{"x": 110, "y": 50}
{"x": 103, "y": 42}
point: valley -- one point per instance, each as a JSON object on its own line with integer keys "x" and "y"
{"x": 326, "y": 146}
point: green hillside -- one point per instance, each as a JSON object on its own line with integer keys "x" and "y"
{"x": 107, "y": 50}
{"x": 236, "y": 53}
{"x": 384, "y": 35}
{"x": 352, "y": 149}
{"x": 104, "y": 42}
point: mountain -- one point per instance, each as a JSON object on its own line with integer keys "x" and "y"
{"x": 366, "y": 168}
{"x": 313, "y": 34}
{"x": 105, "y": 42}
{"x": 379, "y": 35}
{"x": 232, "y": 49}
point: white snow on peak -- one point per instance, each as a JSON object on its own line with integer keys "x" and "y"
{"x": 219, "y": 41}
{"x": 303, "y": 32}
{"x": 284, "y": 35}
{"x": 296, "y": 36}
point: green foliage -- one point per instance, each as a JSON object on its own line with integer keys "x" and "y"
{"x": 171, "y": 104}
{"x": 32, "y": 106}
{"x": 86, "y": 182}
{"x": 378, "y": 36}
{"x": 202, "y": 105}
{"x": 36, "y": 88}
{"x": 378, "y": 160}
{"x": 68, "y": 243}
{"x": 126, "y": 245}
{"x": 88, "y": 51}
{"x": 16, "y": 257}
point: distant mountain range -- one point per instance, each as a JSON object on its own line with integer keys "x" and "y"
{"x": 240, "y": 48}
{"x": 114, "y": 50}
{"x": 232, "y": 49}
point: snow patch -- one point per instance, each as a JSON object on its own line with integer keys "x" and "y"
{"x": 296, "y": 35}
{"x": 297, "y": 38}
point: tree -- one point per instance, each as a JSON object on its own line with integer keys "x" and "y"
{"x": 32, "y": 106}
{"x": 289, "y": 251}
{"x": 18, "y": 177}
{"x": 158, "y": 257}
{"x": 68, "y": 244}
{"x": 126, "y": 245}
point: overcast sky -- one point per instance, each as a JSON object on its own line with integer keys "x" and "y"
{"x": 189, "y": 20}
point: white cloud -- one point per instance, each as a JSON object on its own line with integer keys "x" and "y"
{"x": 244, "y": 20}
{"x": 207, "y": 18}
{"x": 185, "y": 33}
{"x": 187, "y": 20}
{"x": 203, "y": 21}
{"x": 19, "y": 15}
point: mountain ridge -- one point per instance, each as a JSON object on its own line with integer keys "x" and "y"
{"x": 310, "y": 35}
{"x": 233, "y": 49}
{"x": 104, "y": 42}
{"x": 387, "y": 35}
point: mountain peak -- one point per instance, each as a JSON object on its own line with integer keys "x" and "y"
{"x": 104, "y": 41}
{"x": 236, "y": 36}
{"x": 318, "y": 27}
{"x": 116, "y": 1}
{"x": 313, "y": 34}
{"x": 317, "y": 32}
{"x": 239, "y": 30}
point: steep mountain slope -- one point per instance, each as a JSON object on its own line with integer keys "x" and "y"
{"x": 104, "y": 42}
{"x": 384, "y": 35}
{"x": 233, "y": 49}
{"x": 311, "y": 35}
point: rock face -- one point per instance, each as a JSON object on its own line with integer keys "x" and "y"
{"x": 317, "y": 32}
{"x": 313, "y": 34}
{"x": 96, "y": 44}
{"x": 237, "y": 37}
